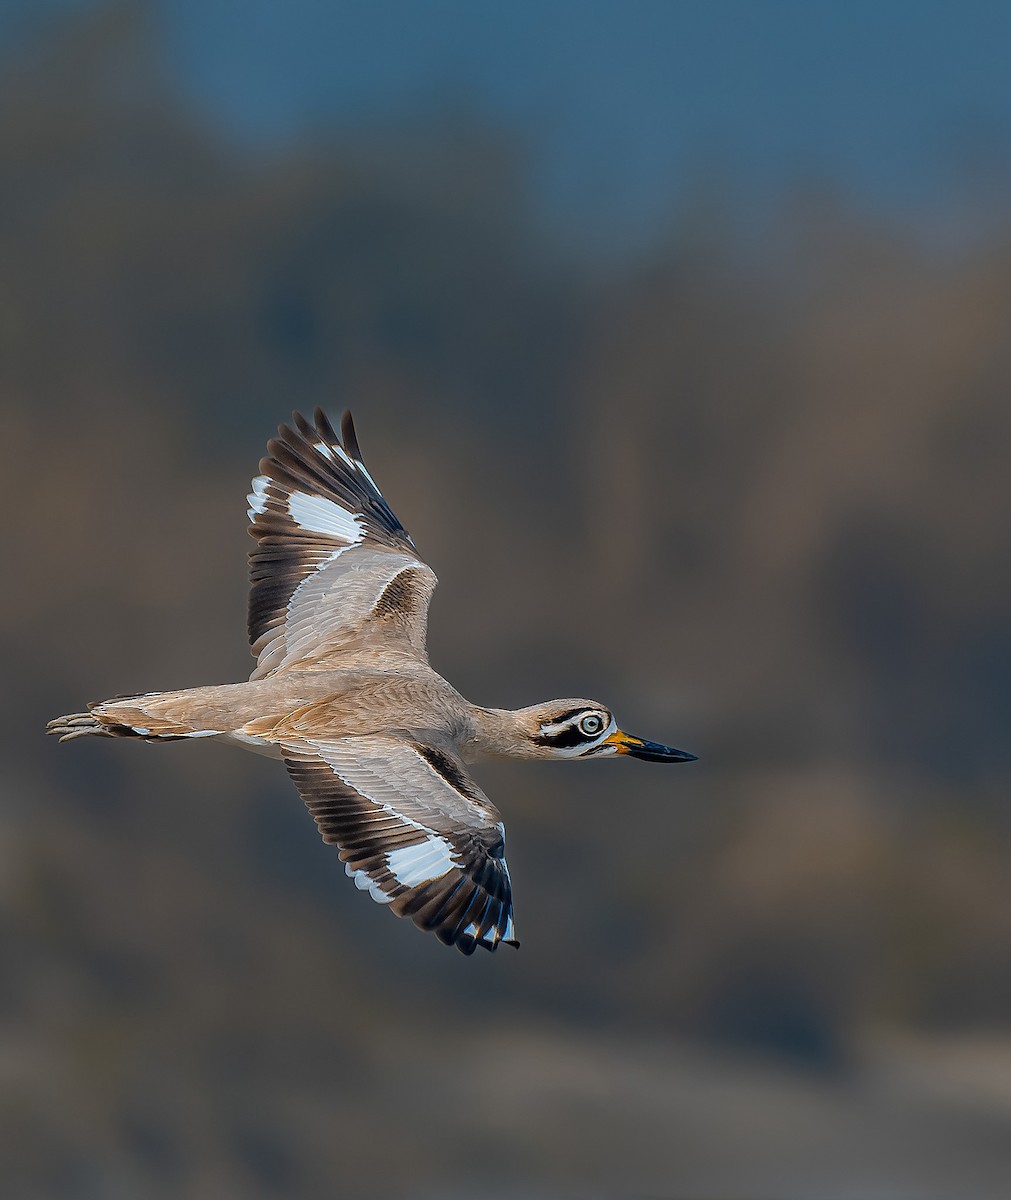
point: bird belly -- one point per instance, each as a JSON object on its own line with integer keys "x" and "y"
{"x": 248, "y": 741}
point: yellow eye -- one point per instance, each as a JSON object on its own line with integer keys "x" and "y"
{"x": 591, "y": 725}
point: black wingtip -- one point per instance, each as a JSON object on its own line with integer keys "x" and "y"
{"x": 323, "y": 427}
{"x": 349, "y": 435}
{"x": 303, "y": 426}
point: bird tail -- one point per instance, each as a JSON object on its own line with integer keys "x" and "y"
{"x": 75, "y": 725}
{"x": 149, "y": 716}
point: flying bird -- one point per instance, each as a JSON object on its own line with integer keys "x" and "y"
{"x": 374, "y": 739}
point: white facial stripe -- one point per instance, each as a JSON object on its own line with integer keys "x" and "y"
{"x": 566, "y": 740}
{"x": 413, "y": 866}
{"x": 599, "y": 750}
{"x": 319, "y": 515}
{"x": 257, "y": 498}
{"x": 555, "y": 727}
{"x": 596, "y": 747}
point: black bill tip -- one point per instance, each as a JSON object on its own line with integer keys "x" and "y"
{"x": 655, "y": 752}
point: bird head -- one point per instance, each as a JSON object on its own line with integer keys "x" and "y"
{"x": 585, "y": 729}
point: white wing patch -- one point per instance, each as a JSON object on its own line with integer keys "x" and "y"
{"x": 364, "y": 470}
{"x": 427, "y": 842}
{"x": 312, "y": 502}
{"x": 317, "y": 514}
{"x": 422, "y": 863}
{"x": 334, "y": 452}
{"x": 258, "y": 496}
{"x": 365, "y": 884}
{"x": 490, "y": 936}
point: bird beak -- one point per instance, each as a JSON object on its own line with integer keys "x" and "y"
{"x": 625, "y": 743}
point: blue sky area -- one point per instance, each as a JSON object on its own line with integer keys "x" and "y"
{"x": 628, "y": 104}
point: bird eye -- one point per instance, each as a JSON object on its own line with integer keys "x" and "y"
{"x": 591, "y": 725}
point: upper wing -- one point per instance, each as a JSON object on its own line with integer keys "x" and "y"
{"x": 333, "y": 569}
{"x": 413, "y": 829}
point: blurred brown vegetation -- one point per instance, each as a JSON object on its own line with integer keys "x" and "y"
{"x": 754, "y": 496}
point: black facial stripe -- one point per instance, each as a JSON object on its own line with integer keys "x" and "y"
{"x": 567, "y": 739}
{"x": 569, "y": 716}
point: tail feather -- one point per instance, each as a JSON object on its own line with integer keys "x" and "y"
{"x": 153, "y": 716}
{"x": 75, "y": 725}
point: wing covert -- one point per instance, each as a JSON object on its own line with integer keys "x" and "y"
{"x": 333, "y": 569}
{"x": 413, "y": 830}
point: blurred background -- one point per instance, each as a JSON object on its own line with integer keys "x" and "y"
{"x": 679, "y": 336}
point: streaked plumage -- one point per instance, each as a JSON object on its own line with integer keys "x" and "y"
{"x": 375, "y": 741}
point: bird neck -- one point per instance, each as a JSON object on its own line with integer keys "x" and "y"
{"x": 501, "y": 733}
